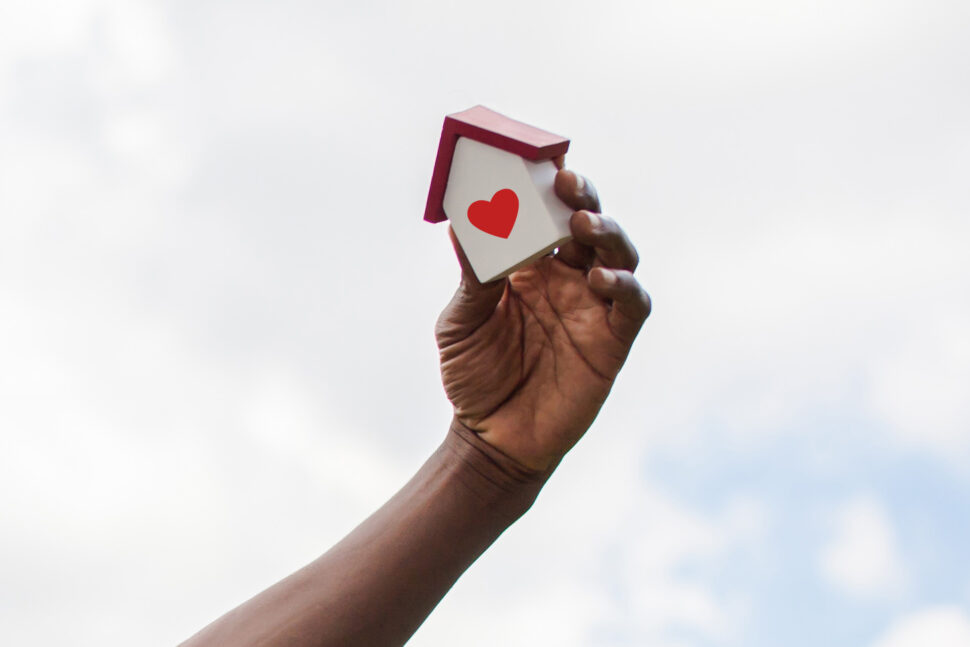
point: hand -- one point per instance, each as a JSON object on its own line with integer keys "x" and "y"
{"x": 528, "y": 361}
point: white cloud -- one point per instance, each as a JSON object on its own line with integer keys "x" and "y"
{"x": 284, "y": 418}
{"x": 516, "y": 612}
{"x": 43, "y": 27}
{"x": 137, "y": 35}
{"x": 862, "y": 559}
{"x": 942, "y": 626}
{"x": 666, "y": 537}
{"x": 740, "y": 37}
{"x": 920, "y": 387}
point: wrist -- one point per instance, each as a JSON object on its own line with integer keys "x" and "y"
{"x": 499, "y": 482}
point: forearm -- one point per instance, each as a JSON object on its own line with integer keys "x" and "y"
{"x": 378, "y": 584}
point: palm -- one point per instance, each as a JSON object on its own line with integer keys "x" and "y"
{"x": 546, "y": 355}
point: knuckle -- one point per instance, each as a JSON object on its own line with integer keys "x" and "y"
{"x": 442, "y": 325}
{"x": 592, "y": 196}
{"x": 634, "y": 257}
{"x": 623, "y": 246}
{"x": 626, "y": 276}
{"x": 608, "y": 226}
{"x": 613, "y": 237}
{"x": 646, "y": 302}
{"x": 627, "y": 288}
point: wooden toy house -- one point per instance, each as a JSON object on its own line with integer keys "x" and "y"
{"x": 493, "y": 179}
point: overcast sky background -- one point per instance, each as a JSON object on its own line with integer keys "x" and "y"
{"x": 217, "y": 298}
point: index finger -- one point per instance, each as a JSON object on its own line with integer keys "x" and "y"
{"x": 576, "y": 191}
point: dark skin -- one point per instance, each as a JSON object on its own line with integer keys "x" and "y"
{"x": 527, "y": 362}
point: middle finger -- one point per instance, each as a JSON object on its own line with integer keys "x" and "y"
{"x": 611, "y": 245}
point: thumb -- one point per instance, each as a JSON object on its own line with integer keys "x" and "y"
{"x": 472, "y": 305}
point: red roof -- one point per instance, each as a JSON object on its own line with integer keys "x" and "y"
{"x": 489, "y": 127}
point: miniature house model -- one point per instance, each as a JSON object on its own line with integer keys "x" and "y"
{"x": 493, "y": 179}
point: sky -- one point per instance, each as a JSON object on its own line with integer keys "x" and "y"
{"x": 217, "y": 299}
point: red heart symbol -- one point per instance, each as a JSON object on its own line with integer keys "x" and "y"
{"x": 495, "y": 217}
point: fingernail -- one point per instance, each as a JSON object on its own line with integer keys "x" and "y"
{"x": 580, "y": 183}
{"x": 594, "y": 220}
{"x": 609, "y": 276}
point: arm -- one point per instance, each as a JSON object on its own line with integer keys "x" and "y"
{"x": 527, "y": 362}
{"x": 379, "y": 583}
